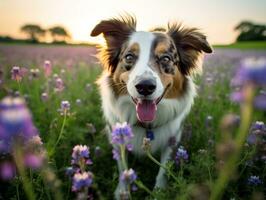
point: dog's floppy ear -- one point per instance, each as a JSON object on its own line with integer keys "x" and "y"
{"x": 115, "y": 31}
{"x": 190, "y": 43}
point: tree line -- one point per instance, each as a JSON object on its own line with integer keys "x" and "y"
{"x": 249, "y": 31}
{"x": 35, "y": 33}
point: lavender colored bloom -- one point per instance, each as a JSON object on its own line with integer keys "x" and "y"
{"x": 254, "y": 181}
{"x": 18, "y": 131}
{"x": 65, "y": 107}
{"x": 47, "y": 68}
{"x": 121, "y": 134}
{"x": 260, "y": 102}
{"x": 70, "y": 171}
{"x": 258, "y": 125}
{"x": 81, "y": 181}
{"x": 251, "y": 70}
{"x": 34, "y": 161}
{"x": 59, "y": 85}
{"x": 16, "y": 73}
{"x": 116, "y": 154}
{"x": 81, "y": 153}
{"x": 134, "y": 188}
{"x": 129, "y": 147}
{"x": 128, "y": 176}
{"x": 181, "y": 155}
{"x": 7, "y": 170}
{"x": 15, "y": 122}
{"x": 256, "y": 133}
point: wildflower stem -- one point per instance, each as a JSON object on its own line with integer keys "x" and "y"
{"x": 18, "y": 158}
{"x": 123, "y": 156}
{"x": 230, "y": 165}
{"x": 61, "y": 131}
{"x": 162, "y": 166}
{"x": 142, "y": 186}
{"x": 19, "y": 87}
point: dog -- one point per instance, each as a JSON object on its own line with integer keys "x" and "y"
{"x": 147, "y": 81}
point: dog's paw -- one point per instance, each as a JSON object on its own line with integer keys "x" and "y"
{"x": 120, "y": 192}
{"x": 161, "y": 182}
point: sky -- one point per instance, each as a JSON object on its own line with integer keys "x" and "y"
{"x": 215, "y": 18}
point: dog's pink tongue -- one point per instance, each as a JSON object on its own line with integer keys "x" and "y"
{"x": 146, "y": 110}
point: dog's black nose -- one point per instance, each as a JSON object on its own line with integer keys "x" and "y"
{"x": 146, "y": 87}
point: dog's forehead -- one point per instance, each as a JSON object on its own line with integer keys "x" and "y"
{"x": 142, "y": 38}
{"x": 147, "y": 40}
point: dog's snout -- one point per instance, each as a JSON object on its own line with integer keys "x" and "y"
{"x": 146, "y": 87}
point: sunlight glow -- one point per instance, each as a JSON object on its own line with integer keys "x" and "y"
{"x": 216, "y": 19}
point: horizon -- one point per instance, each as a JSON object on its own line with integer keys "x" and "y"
{"x": 79, "y": 18}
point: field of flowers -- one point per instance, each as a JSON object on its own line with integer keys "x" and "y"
{"x": 53, "y": 144}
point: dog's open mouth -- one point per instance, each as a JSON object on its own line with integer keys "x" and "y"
{"x": 146, "y": 109}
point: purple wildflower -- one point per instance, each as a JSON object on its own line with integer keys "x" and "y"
{"x": 129, "y": 147}
{"x": 128, "y": 176}
{"x": 34, "y": 161}
{"x": 256, "y": 133}
{"x": 70, "y": 171}
{"x": 15, "y": 122}
{"x": 82, "y": 180}
{"x": 181, "y": 155}
{"x": 59, "y": 85}
{"x": 254, "y": 180}
{"x": 81, "y": 153}
{"x": 251, "y": 72}
{"x": 116, "y": 154}
{"x": 65, "y": 107}
{"x": 16, "y": 73}
{"x": 7, "y": 170}
{"x": 47, "y": 68}
{"x": 18, "y": 131}
{"x": 121, "y": 134}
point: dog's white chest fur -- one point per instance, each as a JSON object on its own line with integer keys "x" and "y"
{"x": 170, "y": 114}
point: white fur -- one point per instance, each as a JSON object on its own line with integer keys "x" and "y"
{"x": 167, "y": 124}
{"x": 142, "y": 69}
{"x": 170, "y": 115}
{"x": 170, "y": 112}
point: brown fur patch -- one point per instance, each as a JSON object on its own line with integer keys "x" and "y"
{"x": 116, "y": 31}
{"x": 175, "y": 80}
{"x": 190, "y": 43}
{"x": 120, "y": 75}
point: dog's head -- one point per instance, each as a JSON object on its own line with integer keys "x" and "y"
{"x": 149, "y": 66}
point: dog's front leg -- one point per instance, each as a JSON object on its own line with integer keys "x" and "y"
{"x": 161, "y": 179}
{"x": 120, "y": 187}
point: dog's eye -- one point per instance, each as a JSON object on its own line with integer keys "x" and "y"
{"x": 165, "y": 59}
{"x": 129, "y": 58}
